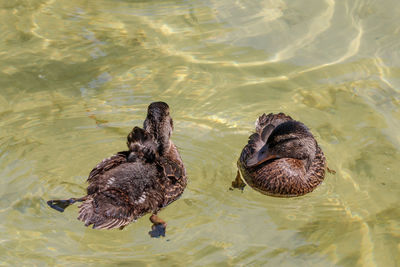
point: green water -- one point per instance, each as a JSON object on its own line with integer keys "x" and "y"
{"x": 76, "y": 76}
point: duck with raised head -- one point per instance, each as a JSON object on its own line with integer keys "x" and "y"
{"x": 147, "y": 177}
{"x": 282, "y": 158}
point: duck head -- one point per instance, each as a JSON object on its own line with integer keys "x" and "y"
{"x": 291, "y": 139}
{"x": 159, "y": 124}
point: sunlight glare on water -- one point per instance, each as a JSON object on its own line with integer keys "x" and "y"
{"x": 76, "y": 76}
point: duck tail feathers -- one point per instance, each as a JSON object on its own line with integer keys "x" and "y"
{"x": 106, "y": 210}
{"x": 262, "y": 121}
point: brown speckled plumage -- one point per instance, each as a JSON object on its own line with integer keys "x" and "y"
{"x": 282, "y": 158}
{"x": 129, "y": 184}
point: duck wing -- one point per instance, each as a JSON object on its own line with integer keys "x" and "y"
{"x": 141, "y": 148}
{"x": 122, "y": 195}
{"x": 114, "y": 208}
{"x": 106, "y": 210}
{"x": 171, "y": 168}
{"x": 107, "y": 164}
{"x": 174, "y": 182}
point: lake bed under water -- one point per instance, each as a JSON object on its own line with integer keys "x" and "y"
{"x": 76, "y": 76}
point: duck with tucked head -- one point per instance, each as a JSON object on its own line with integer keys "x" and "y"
{"x": 130, "y": 184}
{"x": 282, "y": 158}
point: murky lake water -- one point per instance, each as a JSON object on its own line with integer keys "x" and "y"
{"x": 76, "y": 76}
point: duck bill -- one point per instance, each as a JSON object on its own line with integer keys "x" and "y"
{"x": 251, "y": 162}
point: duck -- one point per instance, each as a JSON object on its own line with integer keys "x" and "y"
{"x": 281, "y": 159}
{"x": 147, "y": 177}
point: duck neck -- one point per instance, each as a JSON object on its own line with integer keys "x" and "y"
{"x": 161, "y": 134}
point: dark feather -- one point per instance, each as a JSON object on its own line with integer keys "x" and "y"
{"x": 107, "y": 164}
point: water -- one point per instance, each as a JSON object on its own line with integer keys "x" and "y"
{"x": 76, "y": 76}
